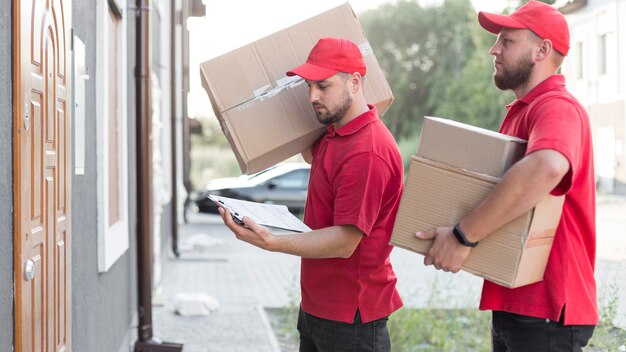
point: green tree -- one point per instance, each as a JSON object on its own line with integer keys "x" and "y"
{"x": 437, "y": 62}
{"x": 398, "y": 33}
{"x": 473, "y": 98}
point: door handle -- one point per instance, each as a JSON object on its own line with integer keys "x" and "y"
{"x": 26, "y": 117}
{"x": 29, "y": 270}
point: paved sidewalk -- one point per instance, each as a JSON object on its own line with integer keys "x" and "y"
{"x": 241, "y": 277}
{"x": 245, "y": 279}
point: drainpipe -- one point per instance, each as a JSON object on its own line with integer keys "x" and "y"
{"x": 174, "y": 135}
{"x": 186, "y": 139}
{"x": 146, "y": 342}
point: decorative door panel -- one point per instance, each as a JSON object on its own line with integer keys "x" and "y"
{"x": 42, "y": 180}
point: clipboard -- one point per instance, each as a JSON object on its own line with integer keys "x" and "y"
{"x": 270, "y": 215}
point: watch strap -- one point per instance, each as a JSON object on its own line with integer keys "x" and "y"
{"x": 460, "y": 236}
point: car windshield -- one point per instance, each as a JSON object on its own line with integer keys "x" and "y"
{"x": 260, "y": 175}
{"x": 270, "y": 172}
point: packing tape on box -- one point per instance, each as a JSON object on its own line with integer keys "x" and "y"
{"x": 260, "y": 91}
{"x": 280, "y": 85}
{"x": 267, "y": 93}
{"x": 287, "y": 80}
{"x": 366, "y": 49}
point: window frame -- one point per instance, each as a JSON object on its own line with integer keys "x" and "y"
{"x": 113, "y": 240}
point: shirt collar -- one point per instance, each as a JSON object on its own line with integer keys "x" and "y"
{"x": 554, "y": 82}
{"x": 357, "y": 123}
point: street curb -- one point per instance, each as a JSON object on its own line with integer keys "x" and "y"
{"x": 268, "y": 329}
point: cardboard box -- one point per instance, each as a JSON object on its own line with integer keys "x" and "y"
{"x": 468, "y": 147}
{"x": 439, "y": 194}
{"x": 265, "y": 115}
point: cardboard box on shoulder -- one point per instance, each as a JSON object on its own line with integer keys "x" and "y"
{"x": 443, "y": 190}
{"x": 265, "y": 115}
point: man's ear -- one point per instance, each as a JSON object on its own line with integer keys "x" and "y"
{"x": 545, "y": 48}
{"x": 356, "y": 80}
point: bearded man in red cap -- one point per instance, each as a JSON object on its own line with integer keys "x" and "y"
{"x": 560, "y": 312}
{"x": 347, "y": 281}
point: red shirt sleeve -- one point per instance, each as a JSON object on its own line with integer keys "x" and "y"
{"x": 557, "y": 124}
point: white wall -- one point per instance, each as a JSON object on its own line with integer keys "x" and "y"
{"x": 597, "y": 90}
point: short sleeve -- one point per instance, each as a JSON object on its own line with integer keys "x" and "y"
{"x": 557, "y": 124}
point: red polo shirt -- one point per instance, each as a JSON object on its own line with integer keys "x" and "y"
{"x": 549, "y": 117}
{"x": 356, "y": 179}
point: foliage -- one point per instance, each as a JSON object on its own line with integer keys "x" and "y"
{"x": 210, "y": 155}
{"x": 477, "y": 101}
{"x": 437, "y": 63}
{"x": 284, "y": 320}
{"x": 439, "y": 330}
{"x": 408, "y": 147}
{"x": 211, "y": 133}
{"x": 606, "y": 336}
{"x": 452, "y": 328}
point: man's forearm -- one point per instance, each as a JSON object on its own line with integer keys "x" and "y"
{"x": 329, "y": 242}
{"x": 525, "y": 185}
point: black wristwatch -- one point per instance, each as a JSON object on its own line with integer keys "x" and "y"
{"x": 460, "y": 236}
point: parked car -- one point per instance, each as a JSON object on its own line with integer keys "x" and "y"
{"x": 285, "y": 184}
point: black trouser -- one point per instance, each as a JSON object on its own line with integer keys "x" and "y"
{"x": 519, "y": 333}
{"x": 322, "y": 335}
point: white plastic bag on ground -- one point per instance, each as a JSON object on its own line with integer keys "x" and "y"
{"x": 195, "y": 304}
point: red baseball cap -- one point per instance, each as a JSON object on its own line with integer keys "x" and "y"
{"x": 542, "y": 19}
{"x": 328, "y": 57}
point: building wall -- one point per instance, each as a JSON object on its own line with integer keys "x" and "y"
{"x": 6, "y": 179}
{"x": 621, "y": 57}
{"x": 104, "y": 304}
{"x": 132, "y": 183}
{"x": 161, "y": 133}
{"x": 608, "y": 122}
{"x": 603, "y": 94}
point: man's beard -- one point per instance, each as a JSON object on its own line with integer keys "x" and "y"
{"x": 332, "y": 115}
{"x": 516, "y": 76}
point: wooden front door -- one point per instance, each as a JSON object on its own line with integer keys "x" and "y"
{"x": 42, "y": 174}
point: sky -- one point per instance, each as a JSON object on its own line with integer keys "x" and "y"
{"x": 234, "y": 23}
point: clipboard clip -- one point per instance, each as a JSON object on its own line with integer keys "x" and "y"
{"x": 233, "y": 214}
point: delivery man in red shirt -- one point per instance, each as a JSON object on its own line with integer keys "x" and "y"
{"x": 348, "y": 285}
{"x": 560, "y": 312}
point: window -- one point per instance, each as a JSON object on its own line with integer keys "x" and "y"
{"x": 298, "y": 179}
{"x": 112, "y": 145}
{"x": 578, "y": 61}
{"x": 602, "y": 54}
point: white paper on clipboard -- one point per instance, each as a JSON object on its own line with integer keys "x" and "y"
{"x": 272, "y": 215}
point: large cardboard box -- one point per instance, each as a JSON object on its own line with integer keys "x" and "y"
{"x": 439, "y": 194}
{"x": 468, "y": 147}
{"x": 265, "y": 115}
